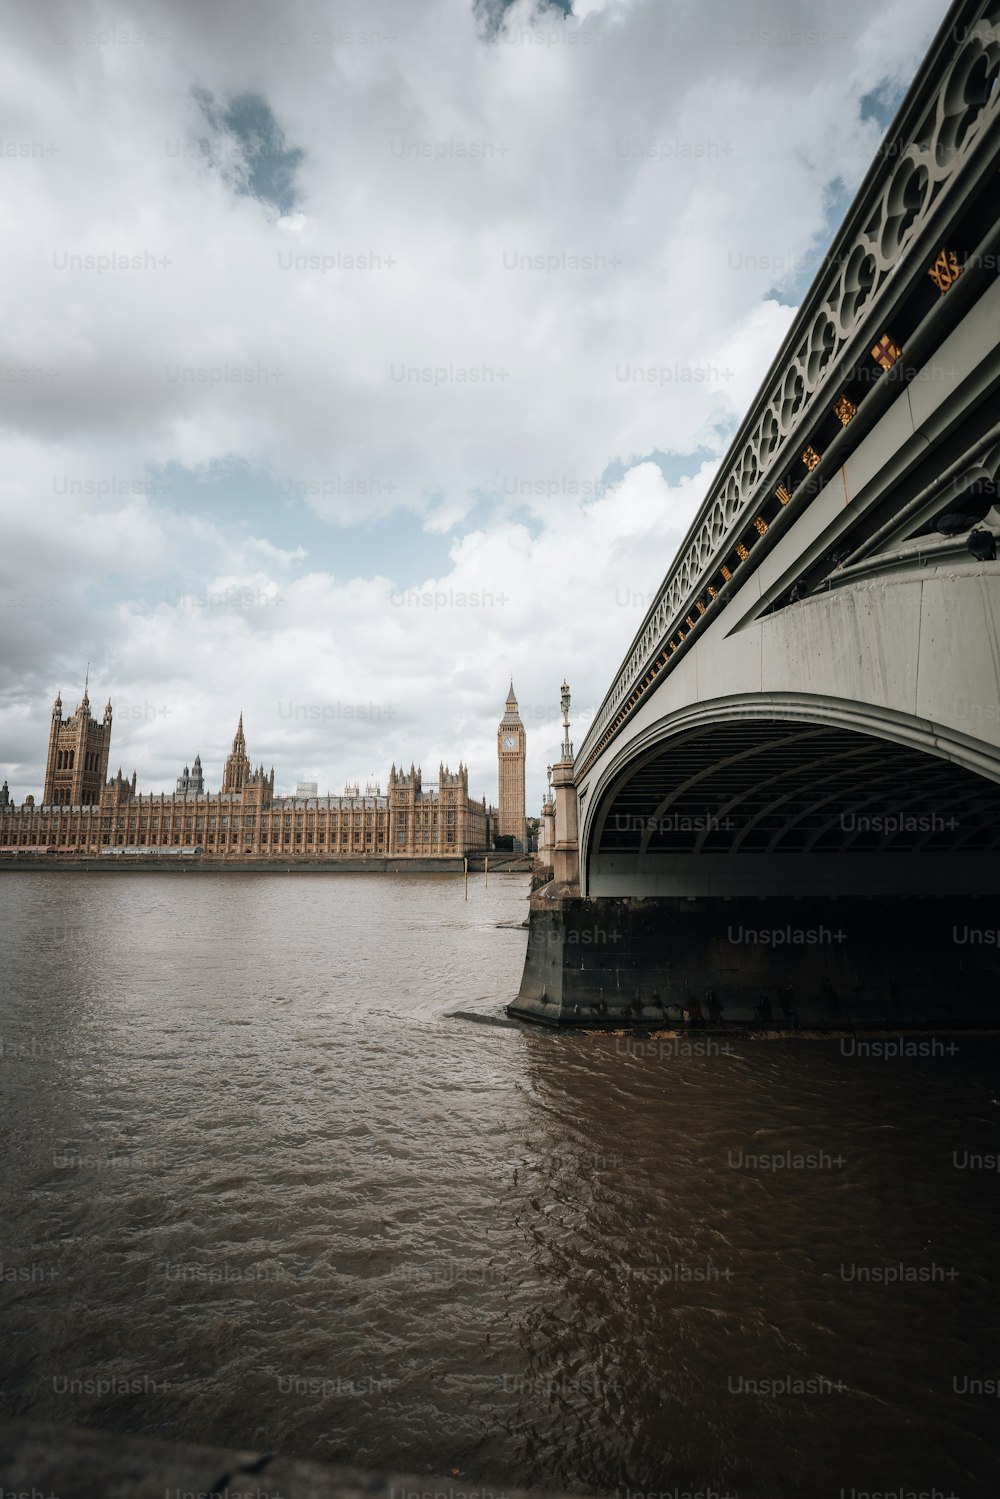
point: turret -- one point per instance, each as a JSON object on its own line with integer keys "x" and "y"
{"x": 77, "y": 762}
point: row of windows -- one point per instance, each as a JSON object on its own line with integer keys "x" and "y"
{"x": 71, "y": 840}
{"x": 212, "y": 839}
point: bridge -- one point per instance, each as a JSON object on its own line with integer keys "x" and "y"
{"x": 789, "y": 801}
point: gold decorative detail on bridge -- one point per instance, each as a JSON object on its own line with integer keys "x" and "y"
{"x": 886, "y": 352}
{"x": 761, "y": 524}
{"x": 845, "y": 410}
{"x": 783, "y": 494}
{"x": 725, "y": 573}
{"x": 945, "y": 271}
{"x": 713, "y": 592}
{"x": 701, "y": 606}
{"x": 741, "y": 551}
{"x": 810, "y": 458}
{"x": 689, "y": 622}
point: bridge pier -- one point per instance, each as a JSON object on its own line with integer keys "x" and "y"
{"x": 566, "y": 848}
{"x": 785, "y": 964}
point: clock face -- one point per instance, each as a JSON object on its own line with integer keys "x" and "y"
{"x": 510, "y": 741}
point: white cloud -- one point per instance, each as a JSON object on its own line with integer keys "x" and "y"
{"x": 677, "y": 152}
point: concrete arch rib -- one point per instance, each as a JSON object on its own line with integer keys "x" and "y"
{"x": 683, "y": 787}
{"x": 844, "y": 763}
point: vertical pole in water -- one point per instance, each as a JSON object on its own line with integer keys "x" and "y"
{"x": 465, "y": 866}
{"x": 486, "y": 866}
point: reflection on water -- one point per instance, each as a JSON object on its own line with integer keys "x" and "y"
{"x": 262, "y": 1191}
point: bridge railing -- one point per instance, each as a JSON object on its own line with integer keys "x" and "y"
{"x": 828, "y": 371}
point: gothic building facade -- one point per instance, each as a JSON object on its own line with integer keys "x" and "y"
{"x": 85, "y": 813}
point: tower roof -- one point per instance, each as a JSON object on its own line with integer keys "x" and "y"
{"x": 511, "y": 714}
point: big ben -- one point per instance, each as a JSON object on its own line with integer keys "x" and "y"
{"x": 511, "y": 754}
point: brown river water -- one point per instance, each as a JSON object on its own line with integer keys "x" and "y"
{"x": 262, "y": 1190}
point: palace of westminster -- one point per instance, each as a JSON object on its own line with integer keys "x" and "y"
{"x": 84, "y": 812}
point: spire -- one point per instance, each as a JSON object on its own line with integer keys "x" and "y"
{"x": 57, "y": 705}
{"x": 236, "y": 774}
{"x": 511, "y": 714}
{"x": 85, "y": 701}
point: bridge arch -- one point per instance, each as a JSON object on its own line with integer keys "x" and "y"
{"x": 793, "y": 794}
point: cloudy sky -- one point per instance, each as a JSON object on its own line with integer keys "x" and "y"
{"x": 358, "y": 355}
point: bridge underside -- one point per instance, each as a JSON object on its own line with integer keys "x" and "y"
{"x": 781, "y": 872}
{"x": 771, "y": 806}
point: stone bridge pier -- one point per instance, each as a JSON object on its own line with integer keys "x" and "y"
{"x": 606, "y": 962}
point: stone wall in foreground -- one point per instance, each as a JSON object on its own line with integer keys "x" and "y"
{"x": 66, "y": 1462}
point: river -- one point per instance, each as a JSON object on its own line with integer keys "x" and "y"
{"x": 262, "y": 1190}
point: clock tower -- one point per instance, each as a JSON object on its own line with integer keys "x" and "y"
{"x": 511, "y": 754}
